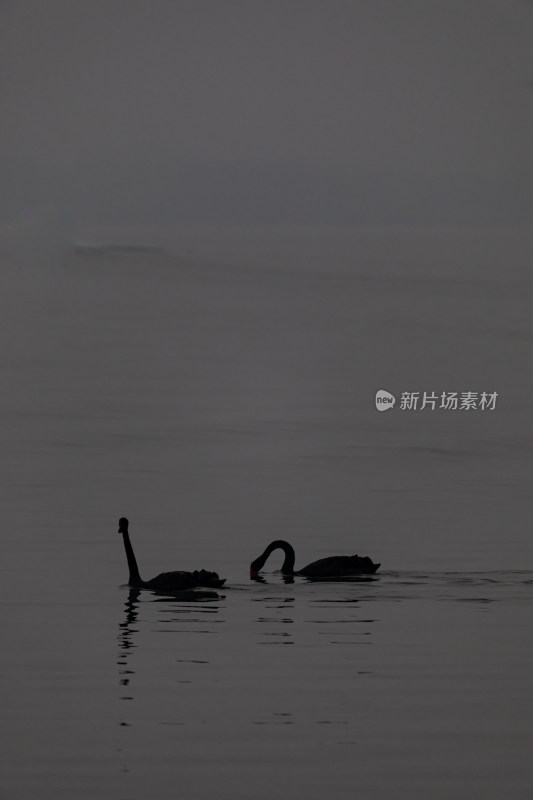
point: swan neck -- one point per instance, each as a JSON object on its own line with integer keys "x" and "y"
{"x": 288, "y": 564}
{"x": 135, "y": 578}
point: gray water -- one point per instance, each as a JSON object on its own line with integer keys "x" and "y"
{"x": 219, "y": 392}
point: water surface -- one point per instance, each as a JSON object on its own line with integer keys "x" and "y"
{"x": 219, "y": 392}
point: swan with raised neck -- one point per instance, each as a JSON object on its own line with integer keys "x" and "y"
{"x": 165, "y": 581}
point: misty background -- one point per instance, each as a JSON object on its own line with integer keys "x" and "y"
{"x": 126, "y": 111}
{"x": 223, "y": 226}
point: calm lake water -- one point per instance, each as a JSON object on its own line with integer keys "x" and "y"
{"x": 219, "y": 392}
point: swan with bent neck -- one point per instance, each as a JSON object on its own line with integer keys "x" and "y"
{"x": 166, "y": 581}
{"x": 331, "y": 567}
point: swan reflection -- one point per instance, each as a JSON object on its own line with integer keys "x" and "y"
{"x": 126, "y": 629}
{"x": 255, "y": 576}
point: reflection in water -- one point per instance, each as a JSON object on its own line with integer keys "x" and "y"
{"x": 410, "y": 585}
{"x": 258, "y": 578}
{"x": 319, "y": 579}
{"x": 319, "y": 681}
{"x": 187, "y": 596}
{"x": 189, "y": 605}
{"x": 363, "y": 654}
{"x": 126, "y": 633}
{"x": 336, "y": 676}
{"x": 185, "y": 604}
{"x": 127, "y": 630}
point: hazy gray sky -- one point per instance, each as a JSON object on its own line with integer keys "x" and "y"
{"x": 236, "y": 108}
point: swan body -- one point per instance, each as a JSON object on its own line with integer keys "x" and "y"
{"x": 166, "y": 581}
{"x": 333, "y": 566}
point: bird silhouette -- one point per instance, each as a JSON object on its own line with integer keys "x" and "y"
{"x": 165, "y": 581}
{"x": 331, "y": 567}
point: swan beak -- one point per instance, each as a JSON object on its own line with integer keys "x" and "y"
{"x": 253, "y": 573}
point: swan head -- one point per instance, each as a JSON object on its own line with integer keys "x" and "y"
{"x": 123, "y": 525}
{"x": 255, "y": 566}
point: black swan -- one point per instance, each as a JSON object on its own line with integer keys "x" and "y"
{"x": 166, "y": 581}
{"x": 332, "y": 567}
